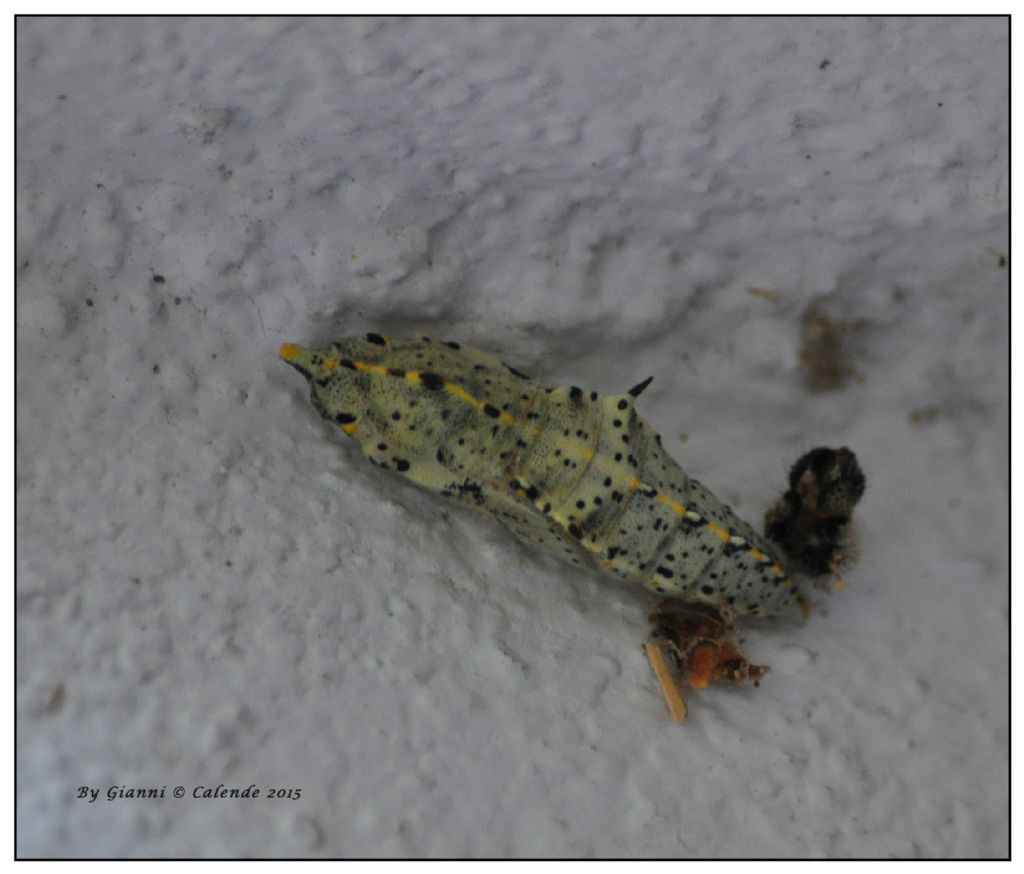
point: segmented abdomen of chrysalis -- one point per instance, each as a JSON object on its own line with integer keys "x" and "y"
{"x": 569, "y": 471}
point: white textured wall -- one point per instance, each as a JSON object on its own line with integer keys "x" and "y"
{"x": 213, "y": 587}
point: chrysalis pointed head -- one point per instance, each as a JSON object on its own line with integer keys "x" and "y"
{"x": 332, "y": 392}
{"x": 298, "y": 357}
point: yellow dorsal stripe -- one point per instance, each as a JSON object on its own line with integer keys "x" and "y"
{"x": 463, "y": 395}
{"x": 416, "y": 378}
{"x": 636, "y": 483}
{"x": 378, "y": 369}
{"x": 717, "y": 529}
{"x": 667, "y": 501}
{"x": 477, "y": 404}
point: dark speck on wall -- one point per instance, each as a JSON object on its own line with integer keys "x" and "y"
{"x": 158, "y": 278}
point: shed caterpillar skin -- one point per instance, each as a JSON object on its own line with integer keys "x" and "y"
{"x": 572, "y": 472}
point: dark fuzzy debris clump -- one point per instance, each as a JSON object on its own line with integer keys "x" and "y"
{"x": 811, "y": 520}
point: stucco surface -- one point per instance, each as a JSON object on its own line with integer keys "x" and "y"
{"x": 215, "y": 588}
